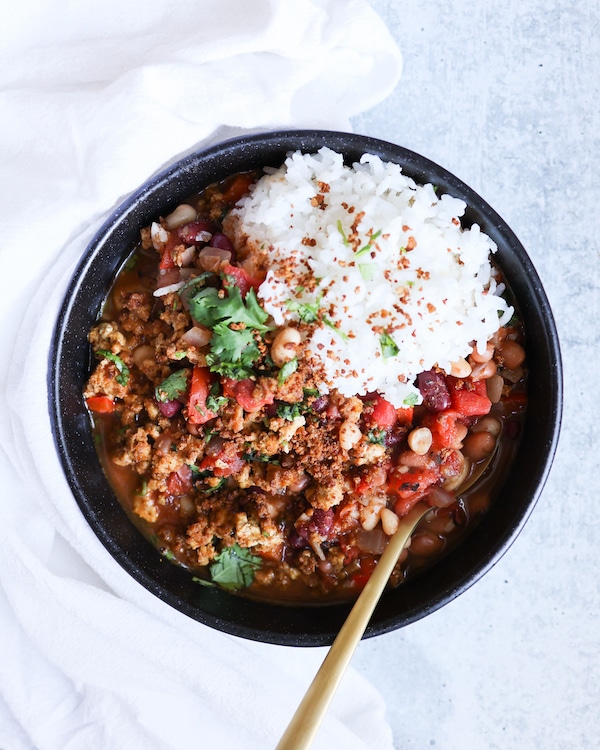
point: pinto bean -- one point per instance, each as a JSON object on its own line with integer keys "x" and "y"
{"x": 479, "y": 445}
{"x": 512, "y": 353}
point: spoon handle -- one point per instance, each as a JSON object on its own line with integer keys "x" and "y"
{"x": 305, "y": 722}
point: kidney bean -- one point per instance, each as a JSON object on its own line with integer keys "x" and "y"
{"x": 222, "y": 242}
{"x": 434, "y": 390}
{"x": 169, "y": 408}
{"x": 320, "y": 403}
{"x": 191, "y": 232}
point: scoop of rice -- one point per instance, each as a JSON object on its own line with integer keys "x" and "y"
{"x": 381, "y": 265}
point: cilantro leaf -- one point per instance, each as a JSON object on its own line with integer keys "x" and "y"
{"x": 376, "y": 437}
{"x": 389, "y": 348}
{"x": 215, "y": 401}
{"x": 233, "y": 349}
{"x": 234, "y": 568}
{"x": 287, "y": 369}
{"x": 308, "y": 312}
{"x": 172, "y": 387}
{"x": 289, "y": 411}
{"x": 123, "y": 376}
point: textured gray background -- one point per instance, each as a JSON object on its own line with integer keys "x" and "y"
{"x": 506, "y": 95}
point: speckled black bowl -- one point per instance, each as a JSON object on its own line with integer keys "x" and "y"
{"x": 298, "y": 626}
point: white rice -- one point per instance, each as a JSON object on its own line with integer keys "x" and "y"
{"x": 424, "y": 281}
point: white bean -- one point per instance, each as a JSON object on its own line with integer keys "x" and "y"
{"x": 285, "y": 343}
{"x": 183, "y": 214}
{"x": 460, "y": 369}
{"x": 420, "y": 440}
{"x": 389, "y": 521}
{"x": 349, "y": 435}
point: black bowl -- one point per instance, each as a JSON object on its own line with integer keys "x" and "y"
{"x": 292, "y": 625}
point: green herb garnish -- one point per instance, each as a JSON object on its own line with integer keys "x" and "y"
{"x": 287, "y": 369}
{"x": 376, "y": 437}
{"x": 411, "y": 400}
{"x": 215, "y": 401}
{"x": 234, "y": 568}
{"x": 367, "y": 271}
{"x": 234, "y": 321}
{"x": 172, "y": 387}
{"x": 290, "y": 411}
{"x": 389, "y": 347}
{"x": 308, "y": 312}
{"x": 123, "y": 376}
{"x": 366, "y": 248}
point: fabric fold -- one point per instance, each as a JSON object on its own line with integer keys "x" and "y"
{"x": 92, "y": 103}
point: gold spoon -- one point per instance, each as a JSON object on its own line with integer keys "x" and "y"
{"x": 305, "y": 722}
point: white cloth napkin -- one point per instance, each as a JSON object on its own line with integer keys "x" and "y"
{"x": 94, "y": 98}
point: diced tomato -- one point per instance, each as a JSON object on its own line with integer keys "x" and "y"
{"x": 180, "y": 482}
{"x": 469, "y": 398}
{"x": 405, "y": 415}
{"x": 224, "y": 464}
{"x": 384, "y": 413}
{"x": 166, "y": 260}
{"x": 410, "y": 486}
{"x": 238, "y": 187}
{"x": 240, "y": 278}
{"x": 100, "y": 404}
{"x": 443, "y": 426}
{"x": 367, "y": 566}
{"x": 242, "y": 391}
{"x": 200, "y": 382}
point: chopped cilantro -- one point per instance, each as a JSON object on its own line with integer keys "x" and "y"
{"x": 289, "y": 411}
{"x": 260, "y": 458}
{"x": 411, "y": 400}
{"x": 333, "y": 327}
{"x": 307, "y": 312}
{"x": 376, "y": 437}
{"x": 366, "y": 248}
{"x": 173, "y": 387}
{"x": 215, "y": 401}
{"x": 234, "y": 568}
{"x": 208, "y": 489}
{"x": 233, "y": 348}
{"x": 389, "y": 347}
{"x": 310, "y": 392}
{"x": 310, "y": 312}
{"x": 367, "y": 271}
{"x": 123, "y": 376}
{"x": 287, "y": 369}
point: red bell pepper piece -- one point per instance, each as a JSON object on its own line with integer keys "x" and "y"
{"x": 242, "y": 391}
{"x": 200, "y": 382}
{"x": 100, "y": 404}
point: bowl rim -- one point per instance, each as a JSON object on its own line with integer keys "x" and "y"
{"x": 275, "y": 623}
